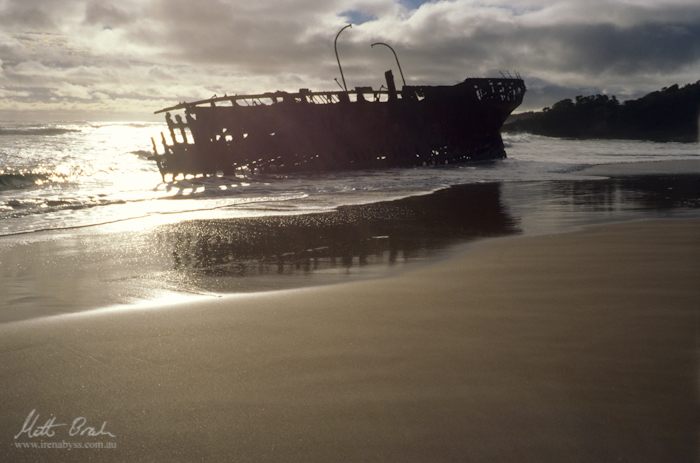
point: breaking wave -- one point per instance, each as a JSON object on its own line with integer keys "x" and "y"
{"x": 20, "y": 208}
{"x": 136, "y": 125}
{"x": 18, "y": 181}
{"x": 36, "y": 131}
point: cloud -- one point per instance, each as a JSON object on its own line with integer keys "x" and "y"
{"x": 18, "y": 14}
{"x": 44, "y": 15}
{"x": 606, "y": 48}
{"x": 159, "y": 51}
{"x": 72, "y": 91}
{"x": 106, "y": 15}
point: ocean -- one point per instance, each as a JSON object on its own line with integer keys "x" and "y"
{"x": 86, "y": 222}
{"x": 57, "y": 176}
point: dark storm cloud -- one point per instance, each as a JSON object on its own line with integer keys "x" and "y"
{"x": 583, "y": 49}
{"x": 608, "y": 48}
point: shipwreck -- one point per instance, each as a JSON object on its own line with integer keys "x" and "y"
{"x": 359, "y": 128}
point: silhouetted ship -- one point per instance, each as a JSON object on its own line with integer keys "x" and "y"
{"x": 347, "y": 129}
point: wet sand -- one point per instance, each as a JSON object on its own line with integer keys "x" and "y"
{"x": 577, "y": 347}
{"x": 667, "y": 167}
{"x": 67, "y": 271}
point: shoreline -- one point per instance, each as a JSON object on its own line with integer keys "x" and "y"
{"x": 223, "y": 256}
{"x": 531, "y": 348}
{"x": 587, "y": 172}
{"x": 242, "y": 255}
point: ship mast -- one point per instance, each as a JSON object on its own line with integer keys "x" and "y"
{"x": 335, "y": 45}
{"x": 395, "y": 56}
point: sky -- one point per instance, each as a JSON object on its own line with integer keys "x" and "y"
{"x": 95, "y": 59}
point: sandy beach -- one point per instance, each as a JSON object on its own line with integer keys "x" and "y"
{"x": 397, "y": 231}
{"x": 572, "y": 347}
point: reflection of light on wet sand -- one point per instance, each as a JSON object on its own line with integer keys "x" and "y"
{"x": 170, "y": 300}
{"x": 151, "y": 219}
{"x": 161, "y": 301}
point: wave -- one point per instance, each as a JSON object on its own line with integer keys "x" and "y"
{"x": 143, "y": 154}
{"x": 36, "y": 131}
{"x": 16, "y": 208}
{"x": 135, "y": 125}
{"x": 18, "y": 181}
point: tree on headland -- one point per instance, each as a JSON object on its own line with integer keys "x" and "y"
{"x": 670, "y": 114}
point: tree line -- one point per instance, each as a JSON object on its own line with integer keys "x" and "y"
{"x": 670, "y": 114}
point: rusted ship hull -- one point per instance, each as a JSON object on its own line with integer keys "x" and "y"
{"x": 319, "y": 131}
